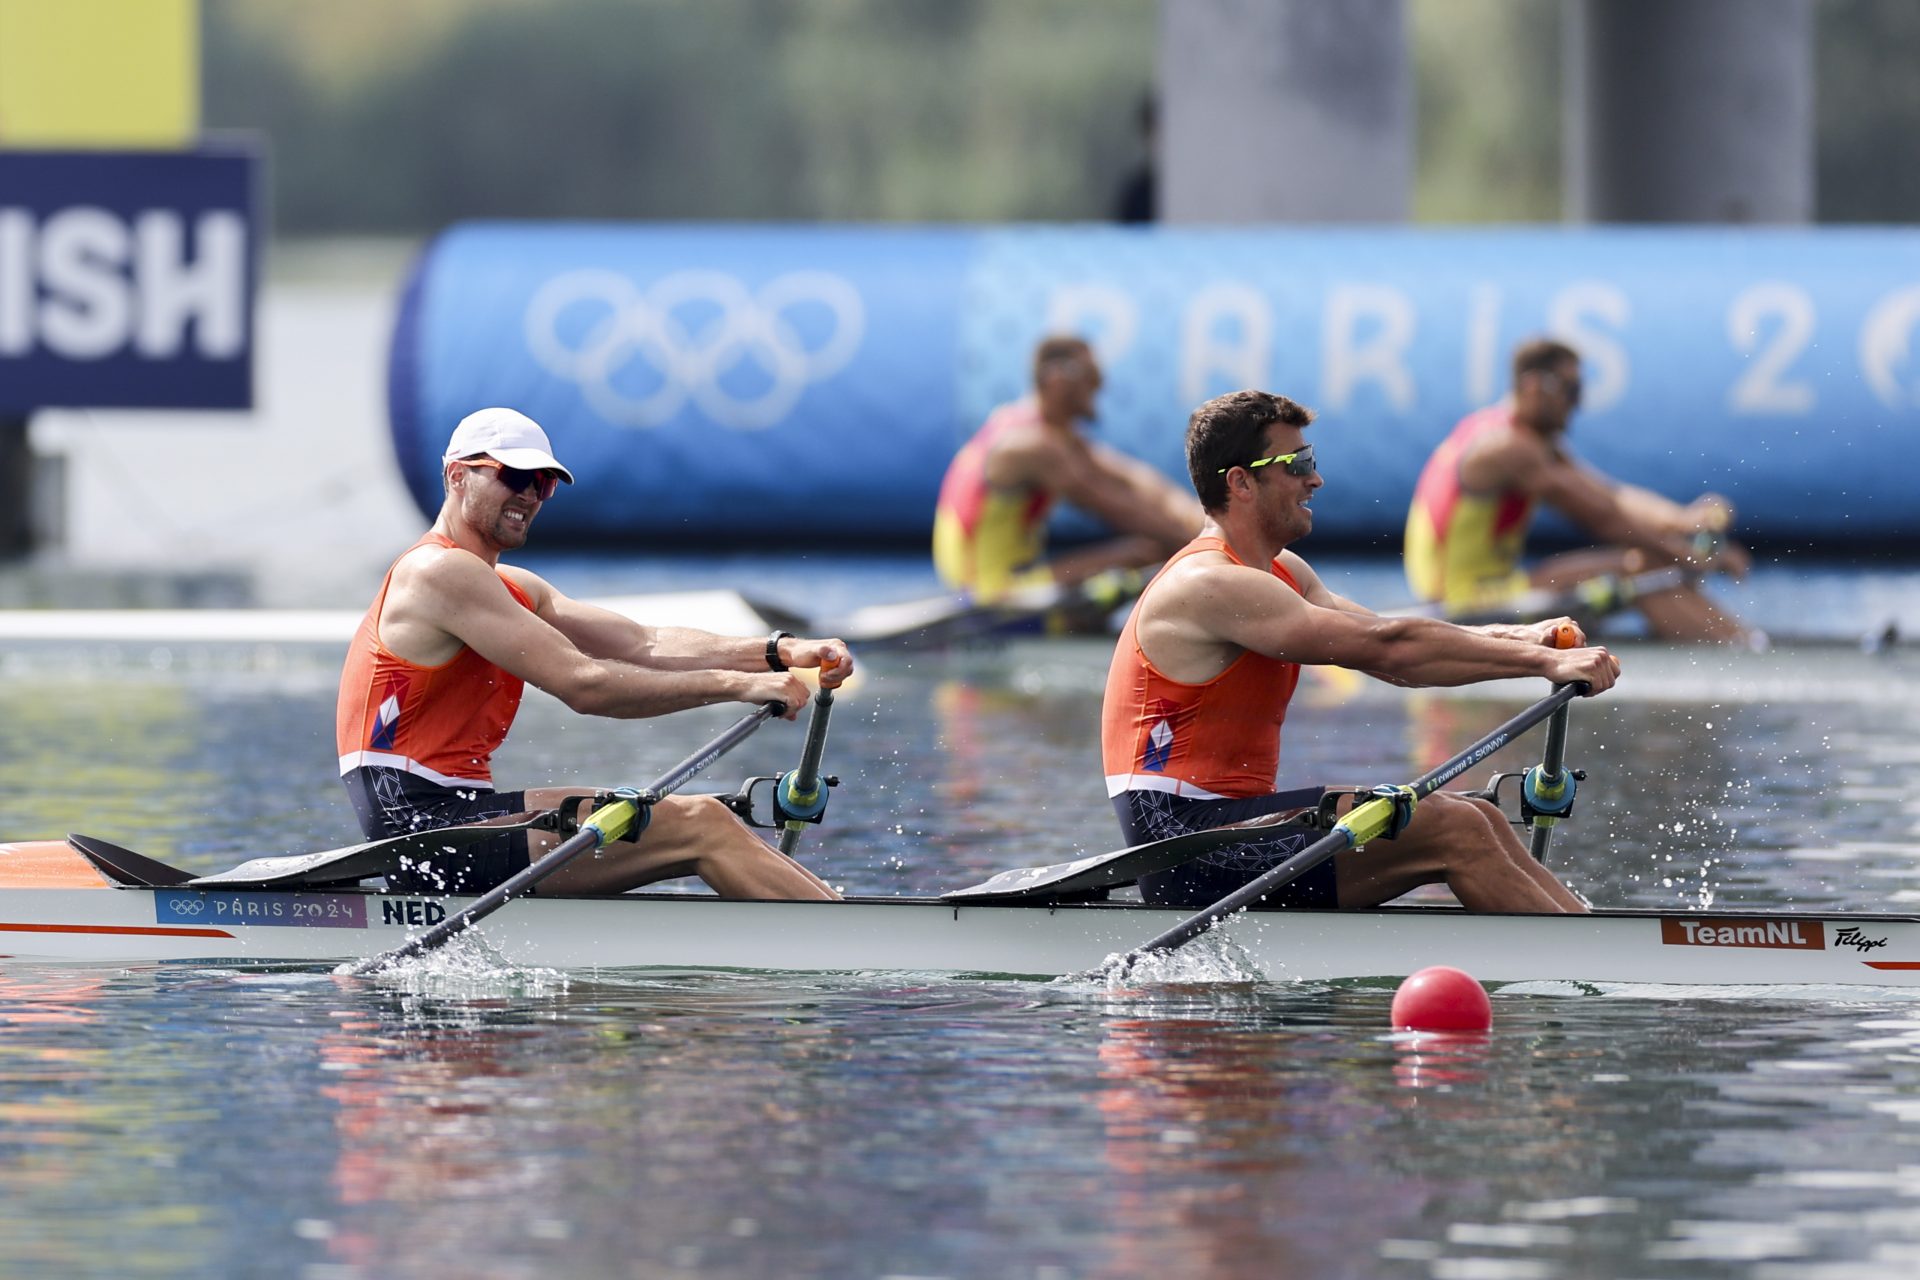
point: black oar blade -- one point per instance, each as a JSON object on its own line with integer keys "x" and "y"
{"x": 364, "y": 861}
{"x": 1106, "y": 870}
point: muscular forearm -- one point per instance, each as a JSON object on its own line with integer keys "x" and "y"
{"x": 1164, "y": 512}
{"x": 1653, "y": 514}
{"x": 690, "y": 649}
{"x": 1652, "y": 535}
{"x": 1522, "y": 632}
{"x": 1427, "y": 652}
{"x": 1133, "y": 497}
{"x": 625, "y": 691}
{"x": 1146, "y": 513}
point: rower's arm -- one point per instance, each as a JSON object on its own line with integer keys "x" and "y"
{"x": 1126, "y": 494}
{"x": 1612, "y": 512}
{"x": 465, "y": 598}
{"x": 1253, "y": 610}
{"x": 1317, "y": 591}
{"x": 602, "y": 633}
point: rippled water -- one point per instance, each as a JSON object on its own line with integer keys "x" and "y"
{"x": 182, "y": 1121}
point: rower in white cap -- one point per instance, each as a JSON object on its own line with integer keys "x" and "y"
{"x": 437, "y": 667}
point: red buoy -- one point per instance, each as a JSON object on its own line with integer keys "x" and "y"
{"x": 1439, "y": 998}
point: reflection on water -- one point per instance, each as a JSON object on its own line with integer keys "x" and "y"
{"x": 739, "y": 1126}
{"x": 182, "y": 1121}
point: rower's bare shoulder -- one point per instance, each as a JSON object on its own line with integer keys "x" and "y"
{"x": 537, "y": 588}
{"x": 1302, "y": 572}
{"x": 440, "y": 585}
{"x": 1203, "y": 577}
{"x": 432, "y": 569}
{"x": 1023, "y": 456}
{"x": 1511, "y": 456}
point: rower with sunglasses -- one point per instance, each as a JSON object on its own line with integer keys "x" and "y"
{"x": 438, "y": 665}
{"x": 1198, "y": 690}
{"x": 1474, "y": 503}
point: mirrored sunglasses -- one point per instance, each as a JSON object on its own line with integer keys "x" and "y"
{"x": 517, "y": 480}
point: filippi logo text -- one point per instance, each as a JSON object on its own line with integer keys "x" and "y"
{"x": 743, "y": 357}
{"x": 85, "y": 283}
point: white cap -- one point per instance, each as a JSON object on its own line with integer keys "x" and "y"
{"x": 506, "y": 435}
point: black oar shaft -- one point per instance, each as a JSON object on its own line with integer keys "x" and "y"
{"x": 518, "y": 885}
{"x": 1358, "y": 826}
{"x": 1438, "y": 777}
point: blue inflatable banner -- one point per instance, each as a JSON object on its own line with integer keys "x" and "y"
{"x": 726, "y": 384}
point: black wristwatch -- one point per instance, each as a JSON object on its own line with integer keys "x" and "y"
{"x": 773, "y": 650}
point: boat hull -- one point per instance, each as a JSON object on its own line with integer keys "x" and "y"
{"x": 686, "y": 931}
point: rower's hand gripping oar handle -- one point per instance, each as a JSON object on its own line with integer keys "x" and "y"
{"x": 800, "y": 796}
{"x": 610, "y": 821}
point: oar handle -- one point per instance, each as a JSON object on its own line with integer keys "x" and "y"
{"x": 609, "y": 822}
{"x": 801, "y": 791}
{"x": 1547, "y": 790}
{"x": 807, "y": 777}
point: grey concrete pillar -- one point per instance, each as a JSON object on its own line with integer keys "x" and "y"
{"x": 1285, "y": 111}
{"x": 1689, "y": 111}
{"x": 16, "y": 488}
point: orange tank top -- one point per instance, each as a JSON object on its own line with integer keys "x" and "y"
{"x": 443, "y": 723}
{"x": 1202, "y": 741}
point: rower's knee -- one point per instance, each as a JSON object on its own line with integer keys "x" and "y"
{"x": 707, "y": 808}
{"x": 1487, "y": 812}
{"x": 1470, "y": 833}
{"x": 721, "y": 833}
{"x": 712, "y": 819}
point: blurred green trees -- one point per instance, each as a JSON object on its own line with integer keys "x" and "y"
{"x": 841, "y": 109}
{"x": 400, "y": 118}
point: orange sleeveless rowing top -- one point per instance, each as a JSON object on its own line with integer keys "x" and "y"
{"x": 1202, "y": 741}
{"x": 1464, "y": 548}
{"x": 443, "y": 723}
{"x": 982, "y": 536}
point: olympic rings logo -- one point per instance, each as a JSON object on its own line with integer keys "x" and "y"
{"x": 186, "y": 906}
{"x": 692, "y": 329}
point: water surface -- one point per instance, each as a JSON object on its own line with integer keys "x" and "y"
{"x": 183, "y": 1121}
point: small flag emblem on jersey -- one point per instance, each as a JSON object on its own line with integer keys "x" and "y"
{"x": 1159, "y": 747}
{"x": 386, "y": 723}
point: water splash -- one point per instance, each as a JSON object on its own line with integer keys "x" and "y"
{"x": 1211, "y": 958}
{"x": 467, "y": 967}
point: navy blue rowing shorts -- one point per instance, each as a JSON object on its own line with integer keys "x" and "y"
{"x": 1155, "y": 815}
{"x": 393, "y": 802}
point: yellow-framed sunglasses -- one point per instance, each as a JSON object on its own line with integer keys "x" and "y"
{"x": 1298, "y": 463}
